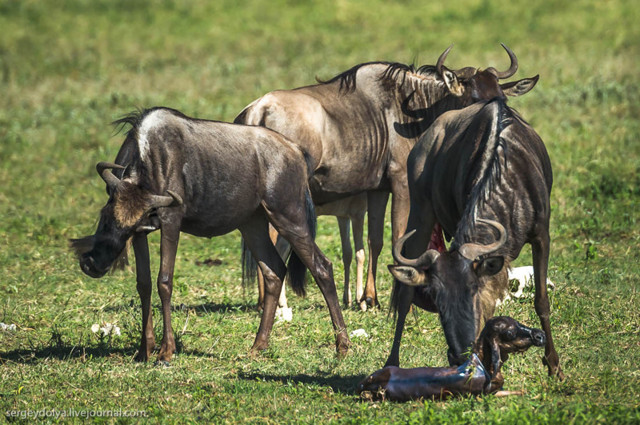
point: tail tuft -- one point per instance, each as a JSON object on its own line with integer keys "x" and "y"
{"x": 249, "y": 266}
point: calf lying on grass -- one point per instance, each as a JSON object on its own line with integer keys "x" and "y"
{"x": 479, "y": 375}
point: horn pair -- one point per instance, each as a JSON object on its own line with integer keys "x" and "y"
{"x": 469, "y": 71}
{"x": 156, "y": 201}
{"x": 471, "y": 251}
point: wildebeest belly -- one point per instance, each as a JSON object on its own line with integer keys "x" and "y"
{"x": 219, "y": 215}
{"x": 331, "y": 184}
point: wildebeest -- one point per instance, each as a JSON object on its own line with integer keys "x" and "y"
{"x": 480, "y": 374}
{"x": 207, "y": 178}
{"x": 359, "y": 127}
{"x": 484, "y": 174}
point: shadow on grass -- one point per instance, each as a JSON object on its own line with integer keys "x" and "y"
{"x": 65, "y": 352}
{"x": 346, "y": 385}
{"x": 204, "y": 308}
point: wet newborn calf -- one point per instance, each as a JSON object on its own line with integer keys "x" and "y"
{"x": 480, "y": 374}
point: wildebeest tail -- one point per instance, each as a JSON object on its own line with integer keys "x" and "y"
{"x": 249, "y": 266}
{"x": 296, "y": 270}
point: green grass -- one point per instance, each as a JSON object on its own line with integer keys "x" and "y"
{"x": 68, "y": 70}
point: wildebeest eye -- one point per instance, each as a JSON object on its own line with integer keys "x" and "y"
{"x": 489, "y": 266}
{"x": 509, "y": 335}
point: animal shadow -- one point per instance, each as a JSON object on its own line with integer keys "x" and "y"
{"x": 345, "y": 385}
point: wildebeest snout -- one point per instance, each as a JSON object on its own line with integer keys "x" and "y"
{"x": 538, "y": 337}
{"x": 89, "y": 267}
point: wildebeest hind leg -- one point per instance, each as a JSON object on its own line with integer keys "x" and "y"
{"x": 376, "y": 206}
{"x": 143, "y": 277}
{"x": 347, "y": 256}
{"x": 357, "y": 226}
{"x": 294, "y": 228}
{"x": 540, "y": 254}
{"x": 256, "y": 236}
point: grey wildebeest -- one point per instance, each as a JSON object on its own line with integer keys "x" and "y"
{"x": 359, "y": 127}
{"x": 207, "y": 178}
{"x": 480, "y": 374}
{"x": 479, "y": 171}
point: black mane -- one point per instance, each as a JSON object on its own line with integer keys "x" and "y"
{"x": 394, "y": 71}
{"x": 492, "y": 174}
{"x": 135, "y": 118}
{"x": 132, "y": 119}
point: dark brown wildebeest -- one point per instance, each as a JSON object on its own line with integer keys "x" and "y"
{"x": 207, "y": 178}
{"x": 359, "y": 127}
{"x": 480, "y": 374}
{"x": 477, "y": 171}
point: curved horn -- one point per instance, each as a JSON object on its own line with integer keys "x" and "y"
{"x": 404, "y": 107}
{"x": 159, "y": 201}
{"x": 425, "y": 260}
{"x": 512, "y": 68}
{"x": 104, "y": 169}
{"x": 472, "y": 251}
{"x": 441, "y": 59}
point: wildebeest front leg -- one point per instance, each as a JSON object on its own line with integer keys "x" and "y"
{"x": 400, "y": 206}
{"x": 376, "y": 206}
{"x": 540, "y": 254}
{"x": 143, "y": 277}
{"x": 414, "y": 247}
{"x": 405, "y": 297}
{"x": 497, "y": 380}
{"x": 168, "y": 249}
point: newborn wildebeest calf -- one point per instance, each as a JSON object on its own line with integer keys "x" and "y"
{"x": 478, "y": 375}
{"x": 207, "y": 178}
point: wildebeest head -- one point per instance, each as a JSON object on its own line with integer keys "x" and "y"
{"x": 474, "y": 84}
{"x": 127, "y": 211}
{"x": 510, "y": 336}
{"x": 451, "y": 281}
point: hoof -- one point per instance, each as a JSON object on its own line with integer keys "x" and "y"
{"x": 372, "y": 302}
{"x": 140, "y": 357}
{"x": 162, "y": 363}
{"x": 342, "y": 346}
{"x": 259, "y": 346}
{"x": 363, "y": 306}
{"x": 553, "y": 370}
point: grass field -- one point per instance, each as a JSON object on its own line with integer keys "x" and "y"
{"x": 67, "y": 71}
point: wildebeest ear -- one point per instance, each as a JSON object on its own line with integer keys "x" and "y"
{"x": 488, "y": 266}
{"x": 408, "y": 275}
{"x": 452, "y": 82}
{"x": 520, "y": 87}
